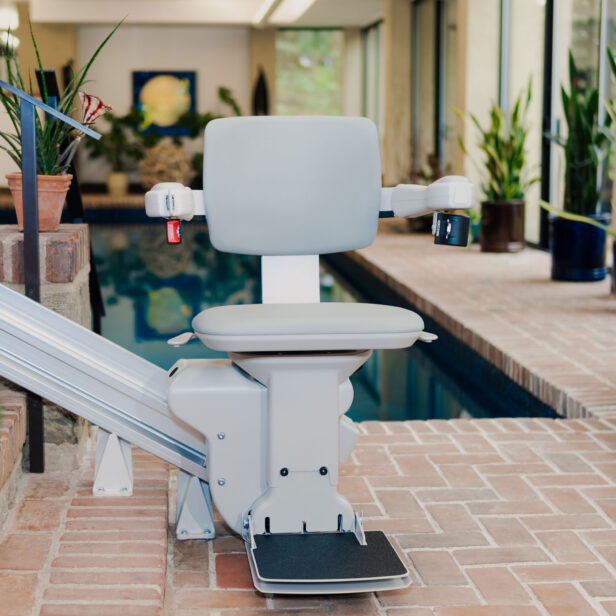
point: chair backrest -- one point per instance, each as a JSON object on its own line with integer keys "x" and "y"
{"x": 291, "y": 185}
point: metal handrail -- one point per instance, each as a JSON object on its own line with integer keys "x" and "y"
{"x": 50, "y": 110}
{"x": 27, "y": 117}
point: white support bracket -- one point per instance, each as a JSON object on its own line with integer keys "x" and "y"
{"x": 194, "y": 518}
{"x": 113, "y": 470}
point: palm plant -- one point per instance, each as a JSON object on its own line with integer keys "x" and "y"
{"x": 52, "y": 138}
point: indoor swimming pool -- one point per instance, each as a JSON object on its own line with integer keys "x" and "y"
{"x": 152, "y": 290}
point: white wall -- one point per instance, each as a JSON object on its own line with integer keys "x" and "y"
{"x": 352, "y": 79}
{"x": 6, "y": 162}
{"x": 481, "y": 90}
{"x": 219, "y": 55}
{"x": 526, "y": 61}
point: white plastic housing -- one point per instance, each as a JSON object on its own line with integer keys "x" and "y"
{"x": 453, "y": 192}
{"x": 173, "y": 200}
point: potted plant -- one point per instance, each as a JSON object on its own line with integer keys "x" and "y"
{"x": 599, "y": 225}
{"x": 505, "y": 175}
{"x": 56, "y": 142}
{"x": 578, "y": 248}
{"x": 120, "y": 146}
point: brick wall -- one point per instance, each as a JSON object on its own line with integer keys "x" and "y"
{"x": 12, "y": 437}
{"x": 64, "y": 268}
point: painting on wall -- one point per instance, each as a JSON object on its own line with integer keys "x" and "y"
{"x": 163, "y": 97}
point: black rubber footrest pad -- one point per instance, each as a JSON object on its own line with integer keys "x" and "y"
{"x": 325, "y": 557}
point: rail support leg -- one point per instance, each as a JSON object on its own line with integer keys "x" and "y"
{"x": 113, "y": 471}
{"x": 194, "y": 517}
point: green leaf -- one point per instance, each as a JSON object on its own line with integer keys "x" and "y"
{"x": 38, "y": 61}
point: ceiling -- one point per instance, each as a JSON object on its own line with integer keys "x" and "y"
{"x": 320, "y": 13}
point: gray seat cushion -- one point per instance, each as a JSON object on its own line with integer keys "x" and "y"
{"x": 307, "y": 327}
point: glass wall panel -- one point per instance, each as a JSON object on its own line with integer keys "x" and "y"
{"x": 373, "y": 75}
{"x": 577, "y": 30}
{"x": 309, "y": 72}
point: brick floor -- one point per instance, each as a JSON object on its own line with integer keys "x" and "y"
{"x": 533, "y": 534}
{"x": 555, "y": 339}
{"x": 64, "y": 552}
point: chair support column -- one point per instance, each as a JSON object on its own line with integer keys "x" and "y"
{"x": 303, "y": 440}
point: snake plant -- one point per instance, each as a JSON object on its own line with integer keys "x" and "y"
{"x": 505, "y": 174}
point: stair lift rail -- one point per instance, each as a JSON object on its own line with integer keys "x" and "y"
{"x": 79, "y": 370}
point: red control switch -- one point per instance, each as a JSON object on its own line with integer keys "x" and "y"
{"x": 174, "y": 232}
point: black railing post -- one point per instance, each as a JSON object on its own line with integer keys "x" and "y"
{"x": 36, "y": 442}
{"x": 27, "y": 118}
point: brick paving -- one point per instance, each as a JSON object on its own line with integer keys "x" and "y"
{"x": 494, "y": 517}
{"x": 555, "y": 339}
{"x": 64, "y": 552}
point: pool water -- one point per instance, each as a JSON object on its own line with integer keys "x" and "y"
{"x": 152, "y": 290}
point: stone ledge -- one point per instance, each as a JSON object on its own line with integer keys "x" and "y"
{"x": 92, "y": 201}
{"x": 63, "y": 253}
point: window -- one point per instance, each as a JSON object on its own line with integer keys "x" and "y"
{"x": 584, "y": 28}
{"x": 309, "y": 67}
{"x": 371, "y": 106}
{"x": 525, "y": 21}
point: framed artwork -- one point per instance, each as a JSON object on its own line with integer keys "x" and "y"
{"x": 163, "y": 97}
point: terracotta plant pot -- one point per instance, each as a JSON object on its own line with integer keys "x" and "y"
{"x": 502, "y": 226}
{"x": 51, "y": 194}
{"x": 117, "y": 183}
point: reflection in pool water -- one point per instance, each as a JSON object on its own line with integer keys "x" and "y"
{"x": 152, "y": 290}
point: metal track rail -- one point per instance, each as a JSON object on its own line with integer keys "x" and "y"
{"x": 92, "y": 377}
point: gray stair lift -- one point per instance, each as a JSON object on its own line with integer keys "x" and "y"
{"x": 273, "y": 414}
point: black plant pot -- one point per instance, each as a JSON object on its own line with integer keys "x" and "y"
{"x": 578, "y": 249}
{"x": 502, "y": 226}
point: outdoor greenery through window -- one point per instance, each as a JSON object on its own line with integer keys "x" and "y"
{"x": 309, "y": 66}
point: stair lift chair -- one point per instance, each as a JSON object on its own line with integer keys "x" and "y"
{"x": 289, "y": 189}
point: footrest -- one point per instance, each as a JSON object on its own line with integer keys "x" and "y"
{"x": 325, "y": 563}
